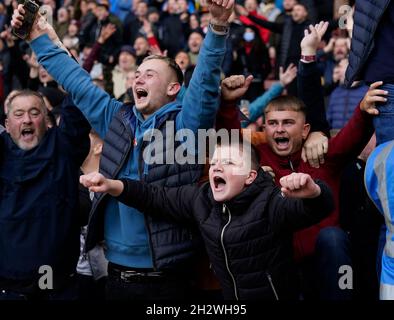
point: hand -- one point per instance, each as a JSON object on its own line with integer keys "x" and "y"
{"x": 156, "y": 51}
{"x": 241, "y": 10}
{"x": 330, "y": 46}
{"x": 234, "y": 87}
{"x": 314, "y": 149}
{"x": 269, "y": 170}
{"x": 299, "y": 185}
{"x": 147, "y": 28}
{"x": 40, "y": 25}
{"x": 32, "y": 61}
{"x": 106, "y": 32}
{"x": 288, "y": 76}
{"x": 312, "y": 38}
{"x": 372, "y": 96}
{"x": 7, "y": 36}
{"x": 220, "y": 10}
{"x": 96, "y": 182}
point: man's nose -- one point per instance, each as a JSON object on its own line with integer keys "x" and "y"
{"x": 280, "y": 128}
{"x": 217, "y": 167}
{"x": 26, "y": 118}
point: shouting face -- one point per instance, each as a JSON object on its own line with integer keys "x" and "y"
{"x": 26, "y": 122}
{"x": 285, "y": 131}
{"x": 230, "y": 172}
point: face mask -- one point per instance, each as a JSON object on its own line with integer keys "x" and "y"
{"x": 248, "y": 36}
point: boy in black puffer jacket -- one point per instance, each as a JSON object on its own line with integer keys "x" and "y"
{"x": 245, "y": 220}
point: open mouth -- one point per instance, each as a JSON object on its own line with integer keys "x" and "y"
{"x": 219, "y": 183}
{"x": 141, "y": 93}
{"x": 282, "y": 142}
{"x": 27, "y": 133}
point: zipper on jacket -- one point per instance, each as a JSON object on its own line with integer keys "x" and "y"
{"x": 272, "y": 285}
{"x": 224, "y": 250}
{"x": 291, "y": 165}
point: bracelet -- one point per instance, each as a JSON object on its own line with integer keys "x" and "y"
{"x": 219, "y": 29}
{"x": 310, "y": 58}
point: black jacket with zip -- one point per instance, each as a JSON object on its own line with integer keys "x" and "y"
{"x": 248, "y": 239}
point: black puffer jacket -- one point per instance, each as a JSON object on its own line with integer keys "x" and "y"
{"x": 248, "y": 239}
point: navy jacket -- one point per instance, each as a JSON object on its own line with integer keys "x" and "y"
{"x": 367, "y": 16}
{"x": 39, "y": 223}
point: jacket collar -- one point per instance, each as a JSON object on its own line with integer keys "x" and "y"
{"x": 286, "y": 162}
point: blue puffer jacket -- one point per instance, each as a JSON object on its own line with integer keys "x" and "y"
{"x": 342, "y": 103}
{"x": 366, "y": 19}
{"x": 39, "y": 222}
{"x": 379, "y": 182}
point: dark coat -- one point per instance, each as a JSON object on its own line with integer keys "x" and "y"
{"x": 248, "y": 239}
{"x": 367, "y": 16}
{"x": 39, "y": 222}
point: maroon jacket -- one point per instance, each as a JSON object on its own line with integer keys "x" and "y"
{"x": 342, "y": 149}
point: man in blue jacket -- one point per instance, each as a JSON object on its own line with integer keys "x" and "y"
{"x": 147, "y": 256}
{"x": 39, "y": 224}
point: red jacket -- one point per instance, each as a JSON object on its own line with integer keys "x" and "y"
{"x": 342, "y": 149}
{"x": 264, "y": 33}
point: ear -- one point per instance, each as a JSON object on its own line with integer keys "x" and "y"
{"x": 173, "y": 89}
{"x": 251, "y": 177}
{"x": 98, "y": 148}
{"x": 305, "y": 131}
{"x": 7, "y": 128}
{"x": 48, "y": 122}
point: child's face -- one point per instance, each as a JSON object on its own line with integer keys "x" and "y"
{"x": 229, "y": 172}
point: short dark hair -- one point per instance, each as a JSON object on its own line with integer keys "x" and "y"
{"x": 286, "y": 103}
{"x": 170, "y": 62}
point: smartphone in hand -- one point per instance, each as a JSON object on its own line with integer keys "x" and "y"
{"x": 31, "y": 9}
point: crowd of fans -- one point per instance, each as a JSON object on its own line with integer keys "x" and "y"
{"x": 275, "y": 51}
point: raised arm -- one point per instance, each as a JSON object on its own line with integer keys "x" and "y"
{"x": 75, "y": 128}
{"x": 172, "y": 203}
{"x": 96, "y": 104}
{"x": 256, "y": 108}
{"x": 273, "y": 26}
{"x": 309, "y": 80}
{"x": 201, "y": 100}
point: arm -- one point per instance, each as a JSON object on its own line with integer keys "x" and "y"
{"x": 351, "y": 140}
{"x": 201, "y": 100}
{"x": 106, "y": 32}
{"x": 95, "y": 104}
{"x": 309, "y": 80}
{"x": 75, "y": 128}
{"x": 232, "y": 88}
{"x": 256, "y": 108}
{"x": 273, "y": 26}
{"x": 312, "y": 201}
{"x": 173, "y": 203}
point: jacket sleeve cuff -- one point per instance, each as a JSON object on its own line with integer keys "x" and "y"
{"x": 42, "y": 43}
{"x": 307, "y": 69}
